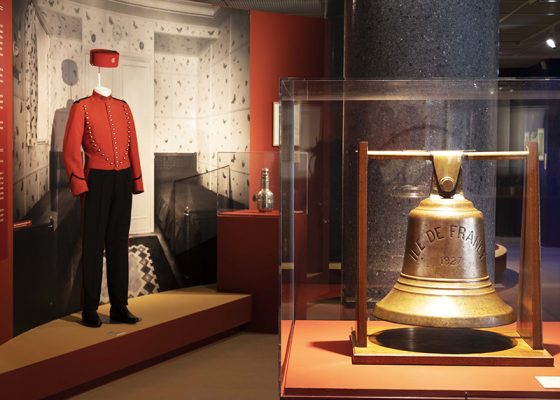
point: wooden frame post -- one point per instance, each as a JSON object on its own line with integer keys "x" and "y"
{"x": 529, "y": 318}
{"x": 361, "y": 256}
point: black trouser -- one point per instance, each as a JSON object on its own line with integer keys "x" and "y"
{"x": 106, "y": 223}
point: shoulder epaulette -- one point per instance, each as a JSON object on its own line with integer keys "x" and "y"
{"x": 83, "y": 98}
{"x": 119, "y": 100}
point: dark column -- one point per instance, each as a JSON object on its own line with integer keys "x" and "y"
{"x": 409, "y": 39}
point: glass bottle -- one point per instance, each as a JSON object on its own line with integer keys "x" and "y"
{"x": 265, "y": 198}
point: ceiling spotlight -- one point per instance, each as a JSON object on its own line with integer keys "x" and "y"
{"x": 550, "y": 42}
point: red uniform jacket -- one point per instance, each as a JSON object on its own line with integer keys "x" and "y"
{"x": 104, "y": 128}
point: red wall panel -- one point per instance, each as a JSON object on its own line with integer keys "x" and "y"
{"x": 281, "y": 46}
{"x": 6, "y": 185}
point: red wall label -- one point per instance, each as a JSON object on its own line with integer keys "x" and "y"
{"x": 4, "y": 134}
{"x": 6, "y": 209}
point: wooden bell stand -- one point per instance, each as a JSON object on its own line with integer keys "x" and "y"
{"x": 526, "y": 335}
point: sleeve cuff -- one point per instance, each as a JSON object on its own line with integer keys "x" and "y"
{"x": 78, "y": 185}
{"x": 137, "y": 185}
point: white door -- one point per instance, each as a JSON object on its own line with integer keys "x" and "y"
{"x": 133, "y": 81}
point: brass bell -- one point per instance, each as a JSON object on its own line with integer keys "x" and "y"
{"x": 444, "y": 281}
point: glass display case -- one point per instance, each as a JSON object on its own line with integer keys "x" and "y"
{"x": 328, "y": 120}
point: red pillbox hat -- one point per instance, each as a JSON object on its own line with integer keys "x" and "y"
{"x": 104, "y": 58}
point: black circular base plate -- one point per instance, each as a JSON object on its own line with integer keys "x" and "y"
{"x": 443, "y": 340}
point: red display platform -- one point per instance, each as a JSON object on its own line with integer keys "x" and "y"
{"x": 320, "y": 365}
{"x": 63, "y": 357}
{"x": 248, "y": 262}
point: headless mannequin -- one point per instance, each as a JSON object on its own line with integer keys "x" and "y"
{"x": 102, "y": 90}
{"x": 106, "y": 206}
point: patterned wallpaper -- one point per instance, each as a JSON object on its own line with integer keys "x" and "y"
{"x": 176, "y": 93}
{"x": 31, "y": 72}
{"x": 237, "y": 183}
{"x": 30, "y": 162}
{"x": 201, "y": 84}
{"x": 65, "y": 68}
{"x": 223, "y": 106}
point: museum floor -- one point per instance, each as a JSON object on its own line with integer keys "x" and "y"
{"x": 244, "y": 366}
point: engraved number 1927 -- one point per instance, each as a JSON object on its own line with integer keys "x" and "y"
{"x": 446, "y": 260}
